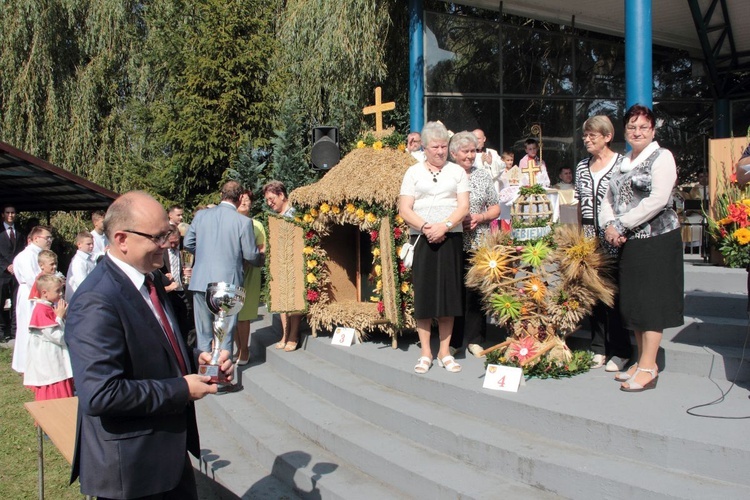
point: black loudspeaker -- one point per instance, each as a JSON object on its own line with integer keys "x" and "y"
{"x": 325, "y": 152}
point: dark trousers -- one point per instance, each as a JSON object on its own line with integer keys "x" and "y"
{"x": 185, "y": 489}
{"x": 608, "y": 336}
{"x": 473, "y": 321}
{"x": 8, "y": 290}
{"x": 183, "y": 309}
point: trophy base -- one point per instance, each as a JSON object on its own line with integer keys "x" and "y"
{"x": 217, "y": 376}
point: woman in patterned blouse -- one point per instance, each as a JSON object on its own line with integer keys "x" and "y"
{"x": 484, "y": 207}
{"x": 637, "y": 215}
{"x": 608, "y": 338}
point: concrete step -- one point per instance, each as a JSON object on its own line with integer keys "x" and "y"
{"x": 412, "y": 466}
{"x": 586, "y": 410}
{"x": 291, "y": 465}
{"x": 229, "y": 462}
{"x": 496, "y": 446}
{"x": 715, "y": 304}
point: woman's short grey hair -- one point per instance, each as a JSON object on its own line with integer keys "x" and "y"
{"x": 599, "y": 124}
{"x": 434, "y": 131}
{"x": 461, "y": 140}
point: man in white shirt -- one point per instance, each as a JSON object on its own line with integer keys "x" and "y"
{"x": 488, "y": 159}
{"x": 414, "y": 145}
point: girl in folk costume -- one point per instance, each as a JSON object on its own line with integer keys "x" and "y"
{"x": 48, "y": 371}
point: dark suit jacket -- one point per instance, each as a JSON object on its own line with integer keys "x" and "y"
{"x": 135, "y": 419}
{"x": 8, "y": 252}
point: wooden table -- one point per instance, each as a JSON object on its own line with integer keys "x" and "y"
{"x": 56, "y": 418}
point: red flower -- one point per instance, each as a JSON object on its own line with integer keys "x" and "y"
{"x": 397, "y": 233}
{"x": 373, "y": 236}
{"x": 733, "y": 178}
{"x": 310, "y": 235}
{"x": 401, "y": 267}
{"x": 312, "y": 296}
{"x": 381, "y": 307}
{"x": 738, "y": 213}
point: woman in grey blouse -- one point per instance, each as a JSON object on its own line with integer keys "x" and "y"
{"x": 637, "y": 216}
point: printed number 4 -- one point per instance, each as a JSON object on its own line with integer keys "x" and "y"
{"x": 501, "y": 382}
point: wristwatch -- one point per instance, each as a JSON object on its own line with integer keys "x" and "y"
{"x": 448, "y": 224}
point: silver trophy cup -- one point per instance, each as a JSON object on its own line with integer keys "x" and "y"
{"x": 223, "y": 299}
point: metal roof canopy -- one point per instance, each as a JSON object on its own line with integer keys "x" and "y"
{"x": 31, "y": 184}
{"x": 702, "y": 27}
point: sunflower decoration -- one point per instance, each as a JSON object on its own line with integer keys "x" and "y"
{"x": 541, "y": 290}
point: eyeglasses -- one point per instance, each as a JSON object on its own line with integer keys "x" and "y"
{"x": 48, "y": 238}
{"x": 591, "y": 135}
{"x": 159, "y": 239}
{"x": 642, "y": 128}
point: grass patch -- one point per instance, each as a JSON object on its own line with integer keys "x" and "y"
{"x": 18, "y": 445}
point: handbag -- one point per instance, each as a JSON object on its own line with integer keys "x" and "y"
{"x": 407, "y": 253}
{"x": 407, "y": 249}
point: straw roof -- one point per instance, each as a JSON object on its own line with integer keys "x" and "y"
{"x": 369, "y": 175}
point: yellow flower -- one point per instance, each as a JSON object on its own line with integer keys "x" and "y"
{"x": 404, "y": 287}
{"x": 378, "y": 270}
{"x": 746, "y": 202}
{"x": 398, "y": 250}
{"x": 377, "y": 146}
{"x": 325, "y": 208}
{"x": 297, "y": 219}
{"x": 311, "y": 278}
{"x": 307, "y": 218}
{"x": 360, "y": 214}
{"x": 308, "y": 250}
{"x": 399, "y": 220}
{"x": 312, "y": 264}
{"x": 335, "y": 209}
{"x": 376, "y": 252}
{"x": 742, "y": 235}
{"x": 313, "y": 212}
{"x": 360, "y": 144}
{"x": 370, "y": 217}
{"x": 374, "y": 299}
{"x": 402, "y": 147}
{"x": 491, "y": 262}
{"x": 350, "y": 208}
{"x": 379, "y": 285}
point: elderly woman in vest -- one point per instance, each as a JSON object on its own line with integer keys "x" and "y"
{"x": 637, "y": 216}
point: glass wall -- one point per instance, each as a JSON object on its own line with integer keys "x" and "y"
{"x": 504, "y": 77}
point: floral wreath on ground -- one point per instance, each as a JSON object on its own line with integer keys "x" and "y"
{"x": 540, "y": 291}
{"x": 367, "y": 218}
{"x": 730, "y": 230}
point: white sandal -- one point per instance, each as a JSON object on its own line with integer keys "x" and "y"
{"x": 450, "y": 364}
{"x": 423, "y": 365}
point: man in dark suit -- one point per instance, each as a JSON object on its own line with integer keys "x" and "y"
{"x": 221, "y": 239}
{"x": 12, "y": 242}
{"x": 135, "y": 378}
{"x": 174, "y": 284}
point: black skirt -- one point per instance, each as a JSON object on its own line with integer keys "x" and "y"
{"x": 436, "y": 277}
{"x": 652, "y": 282}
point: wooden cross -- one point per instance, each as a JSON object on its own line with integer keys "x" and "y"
{"x": 378, "y": 108}
{"x": 531, "y": 169}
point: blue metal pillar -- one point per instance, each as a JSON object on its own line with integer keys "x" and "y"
{"x": 416, "y": 65}
{"x": 638, "y": 57}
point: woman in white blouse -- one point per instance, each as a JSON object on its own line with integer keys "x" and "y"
{"x": 434, "y": 200}
{"x": 637, "y": 216}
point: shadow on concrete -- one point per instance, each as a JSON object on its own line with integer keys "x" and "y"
{"x": 284, "y": 469}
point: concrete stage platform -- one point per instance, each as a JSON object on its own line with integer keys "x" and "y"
{"x": 357, "y": 422}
